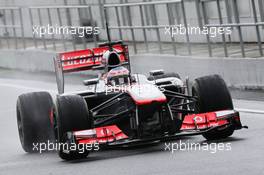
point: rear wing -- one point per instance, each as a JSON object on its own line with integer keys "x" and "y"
{"x": 88, "y": 59}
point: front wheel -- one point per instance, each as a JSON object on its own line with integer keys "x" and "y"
{"x": 213, "y": 95}
{"x": 72, "y": 115}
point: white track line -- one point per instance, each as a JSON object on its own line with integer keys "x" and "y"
{"x": 250, "y": 110}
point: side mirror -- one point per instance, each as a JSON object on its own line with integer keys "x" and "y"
{"x": 133, "y": 79}
{"x": 156, "y": 72}
{"x": 91, "y": 82}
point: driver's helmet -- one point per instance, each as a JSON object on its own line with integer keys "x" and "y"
{"x": 111, "y": 59}
{"x": 118, "y": 76}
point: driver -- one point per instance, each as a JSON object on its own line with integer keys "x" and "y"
{"x": 118, "y": 76}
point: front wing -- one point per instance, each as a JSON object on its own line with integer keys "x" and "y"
{"x": 194, "y": 124}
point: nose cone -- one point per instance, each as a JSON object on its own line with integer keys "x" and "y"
{"x": 144, "y": 94}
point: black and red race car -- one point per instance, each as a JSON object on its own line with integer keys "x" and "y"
{"x": 121, "y": 108}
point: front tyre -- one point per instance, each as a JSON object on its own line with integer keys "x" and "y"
{"x": 72, "y": 115}
{"x": 213, "y": 95}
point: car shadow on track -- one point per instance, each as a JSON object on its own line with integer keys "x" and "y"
{"x": 117, "y": 152}
{"x": 145, "y": 149}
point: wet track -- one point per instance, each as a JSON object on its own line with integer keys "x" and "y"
{"x": 245, "y": 157}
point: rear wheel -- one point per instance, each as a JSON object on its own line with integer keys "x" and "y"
{"x": 33, "y": 119}
{"x": 72, "y": 115}
{"x": 213, "y": 95}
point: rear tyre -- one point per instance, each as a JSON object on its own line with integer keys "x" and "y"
{"x": 72, "y": 115}
{"x": 213, "y": 95}
{"x": 33, "y": 119}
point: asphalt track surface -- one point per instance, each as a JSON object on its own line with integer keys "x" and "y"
{"x": 245, "y": 157}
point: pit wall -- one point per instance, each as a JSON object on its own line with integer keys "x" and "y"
{"x": 247, "y": 73}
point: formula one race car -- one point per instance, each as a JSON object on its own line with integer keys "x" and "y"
{"x": 123, "y": 108}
